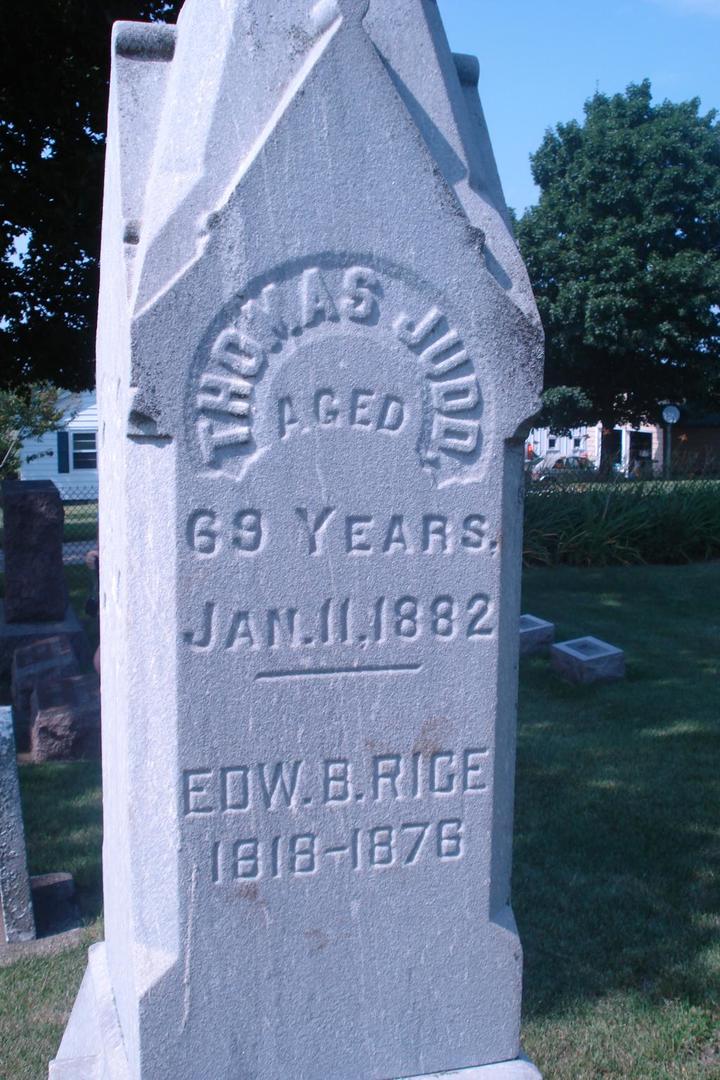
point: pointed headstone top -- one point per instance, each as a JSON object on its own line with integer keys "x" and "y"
{"x": 353, "y": 10}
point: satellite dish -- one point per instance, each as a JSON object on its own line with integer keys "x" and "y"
{"x": 671, "y": 414}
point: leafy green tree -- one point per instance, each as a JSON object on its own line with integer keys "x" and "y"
{"x": 23, "y": 415}
{"x": 54, "y": 67}
{"x": 623, "y": 250}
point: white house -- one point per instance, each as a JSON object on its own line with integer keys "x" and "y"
{"x": 642, "y": 445}
{"x": 67, "y": 456}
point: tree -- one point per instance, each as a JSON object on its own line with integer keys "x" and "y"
{"x": 54, "y": 66}
{"x": 24, "y": 415}
{"x": 623, "y": 250}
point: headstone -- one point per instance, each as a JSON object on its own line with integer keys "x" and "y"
{"x": 36, "y": 602}
{"x": 33, "y": 520}
{"x": 536, "y": 635}
{"x": 17, "y": 922}
{"x": 317, "y": 346}
{"x": 65, "y": 717}
{"x": 50, "y": 658}
{"x": 14, "y": 636}
{"x": 587, "y": 660}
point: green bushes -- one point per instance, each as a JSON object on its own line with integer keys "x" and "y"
{"x": 622, "y": 523}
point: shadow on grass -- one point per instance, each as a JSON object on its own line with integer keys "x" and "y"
{"x": 62, "y": 809}
{"x": 617, "y": 851}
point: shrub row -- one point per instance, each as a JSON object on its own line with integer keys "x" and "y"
{"x": 603, "y": 524}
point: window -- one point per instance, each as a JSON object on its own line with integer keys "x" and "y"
{"x": 552, "y": 442}
{"x": 84, "y": 450}
{"x": 577, "y": 443}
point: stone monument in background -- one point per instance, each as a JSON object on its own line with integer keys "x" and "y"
{"x": 33, "y": 519}
{"x": 35, "y": 605}
{"x": 317, "y": 348}
{"x": 17, "y": 921}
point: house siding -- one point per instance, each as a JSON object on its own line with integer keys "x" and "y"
{"x": 80, "y": 411}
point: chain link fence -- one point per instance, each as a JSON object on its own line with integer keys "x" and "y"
{"x": 81, "y": 525}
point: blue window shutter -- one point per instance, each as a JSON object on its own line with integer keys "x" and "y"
{"x": 63, "y": 451}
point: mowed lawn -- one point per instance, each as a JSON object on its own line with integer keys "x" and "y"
{"x": 617, "y": 850}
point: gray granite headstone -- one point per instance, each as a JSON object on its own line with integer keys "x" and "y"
{"x": 317, "y": 346}
{"x": 65, "y": 714}
{"x": 49, "y": 658}
{"x": 33, "y": 518}
{"x": 17, "y": 922}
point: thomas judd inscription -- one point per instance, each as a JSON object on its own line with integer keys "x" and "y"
{"x": 317, "y": 350}
{"x": 248, "y": 339}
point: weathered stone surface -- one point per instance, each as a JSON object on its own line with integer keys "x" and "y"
{"x": 587, "y": 660}
{"x": 15, "y": 636}
{"x": 536, "y": 635}
{"x": 317, "y": 344}
{"x": 33, "y": 519}
{"x": 49, "y": 658}
{"x": 66, "y": 719}
{"x": 93, "y": 1045}
{"x": 17, "y": 922}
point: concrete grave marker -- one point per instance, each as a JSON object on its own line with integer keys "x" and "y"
{"x": 317, "y": 344}
{"x": 536, "y": 635}
{"x": 587, "y": 660}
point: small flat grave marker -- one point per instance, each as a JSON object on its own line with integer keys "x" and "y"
{"x": 587, "y": 660}
{"x": 536, "y": 635}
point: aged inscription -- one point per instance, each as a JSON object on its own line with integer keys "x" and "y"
{"x": 262, "y": 330}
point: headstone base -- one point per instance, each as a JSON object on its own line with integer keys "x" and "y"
{"x": 92, "y": 1046}
{"x": 519, "y": 1069}
{"x": 16, "y": 635}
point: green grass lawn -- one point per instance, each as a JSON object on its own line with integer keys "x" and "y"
{"x": 617, "y": 852}
{"x": 81, "y": 521}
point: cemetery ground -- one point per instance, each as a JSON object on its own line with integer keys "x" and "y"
{"x": 617, "y": 845}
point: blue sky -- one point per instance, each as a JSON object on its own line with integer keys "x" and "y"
{"x": 541, "y": 59}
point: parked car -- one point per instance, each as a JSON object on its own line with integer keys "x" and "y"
{"x": 577, "y": 464}
{"x": 567, "y": 468}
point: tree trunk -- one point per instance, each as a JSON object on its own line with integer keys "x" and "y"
{"x": 607, "y": 450}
